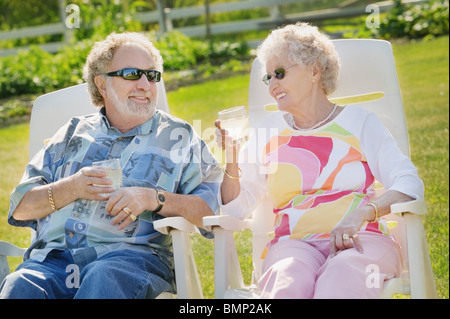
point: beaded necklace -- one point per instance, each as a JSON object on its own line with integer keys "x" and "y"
{"x": 315, "y": 125}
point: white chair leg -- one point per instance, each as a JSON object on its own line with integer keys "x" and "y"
{"x": 420, "y": 270}
{"x": 226, "y": 263}
{"x": 188, "y": 282}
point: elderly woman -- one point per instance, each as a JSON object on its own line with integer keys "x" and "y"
{"x": 319, "y": 170}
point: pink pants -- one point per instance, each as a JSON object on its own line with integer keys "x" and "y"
{"x": 296, "y": 269}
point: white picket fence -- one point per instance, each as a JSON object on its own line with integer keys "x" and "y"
{"x": 165, "y": 16}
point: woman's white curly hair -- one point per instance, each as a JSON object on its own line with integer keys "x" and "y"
{"x": 306, "y": 46}
{"x": 102, "y": 54}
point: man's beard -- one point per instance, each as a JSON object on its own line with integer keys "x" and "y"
{"x": 129, "y": 107}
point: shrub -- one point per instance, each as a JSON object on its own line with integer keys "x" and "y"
{"x": 26, "y": 72}
{"x": 99, "y": 18}
{"x": 36, "y": 71}
{"x": 179, "y": 51}
{"x": 415, "y": 21}
{"x": 13, "y": 109}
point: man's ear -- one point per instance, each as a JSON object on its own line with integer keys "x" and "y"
{"x": 100, "y": 82}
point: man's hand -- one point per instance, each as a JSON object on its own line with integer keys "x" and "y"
{"x": 90, "y": 183}
{"x": 129, "y": 202}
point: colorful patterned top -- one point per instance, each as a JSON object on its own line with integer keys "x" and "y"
{"x": 164, "y": 152}
{"x": 316, "y": 177}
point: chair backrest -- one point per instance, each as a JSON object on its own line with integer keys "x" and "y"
{"x": 52, "y": 110}
{"x": 368, "y": 79}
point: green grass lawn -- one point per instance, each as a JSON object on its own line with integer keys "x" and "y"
{"x": 424, "y": 76}
{"x": 13, "y": 158}
{"x": 424, "y": 79}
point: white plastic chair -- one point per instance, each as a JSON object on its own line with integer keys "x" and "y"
{"x": 368, "y": 74}
{"x": 51, "y": 111}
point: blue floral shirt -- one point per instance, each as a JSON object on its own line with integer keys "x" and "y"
{"x": 164, "y": 152}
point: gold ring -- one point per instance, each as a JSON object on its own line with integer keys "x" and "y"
{"x": 355, "y": 236}
{"x": 127, "y": 210}
{"x": 345, "y": 236}
{"x": 132, "y": 217}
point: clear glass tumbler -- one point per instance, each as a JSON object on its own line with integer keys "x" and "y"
{"x": 235, "y": 121}
{"x": 114, "y": 171}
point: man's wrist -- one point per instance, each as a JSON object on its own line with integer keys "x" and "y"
{"x": 160, "y": 200}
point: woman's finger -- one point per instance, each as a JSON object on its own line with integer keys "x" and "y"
{"x": 357, "y": 243}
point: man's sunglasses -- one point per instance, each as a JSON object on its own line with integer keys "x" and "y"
{"x": 136, "y": 74}
{"x": 278, "y": 73}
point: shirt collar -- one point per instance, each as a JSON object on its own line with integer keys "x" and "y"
{"x": 143, "y": 129}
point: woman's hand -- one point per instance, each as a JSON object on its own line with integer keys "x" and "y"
{"x": 225, "y": 141}
{"x": 127, "y": 203}
{"x": 230, "y": 187}
{"x": 345, "y": 234}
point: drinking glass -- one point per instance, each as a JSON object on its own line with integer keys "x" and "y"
{"x": 235, "y": 121}
{"x": 114, "y": 171}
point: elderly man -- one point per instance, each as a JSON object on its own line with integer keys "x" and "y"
{"x": 92, "y": 241}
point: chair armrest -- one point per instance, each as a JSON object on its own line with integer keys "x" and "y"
{"x": 165, "y": 225}
{"x": 227, "y": 222}
{"x": 418, "y": 207}
{"x": 8, "y": 249}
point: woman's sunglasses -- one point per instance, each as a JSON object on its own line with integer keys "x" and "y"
{"x": 136, "y": 74}
{"x": 278, "y": 73}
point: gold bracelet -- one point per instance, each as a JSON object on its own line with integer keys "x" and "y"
{"x": 233, "y": 177}
{"x": 50, "y": 197}
{"x": 377, "y": 215}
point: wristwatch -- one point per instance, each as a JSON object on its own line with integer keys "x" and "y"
{"x": 160, "y": 198}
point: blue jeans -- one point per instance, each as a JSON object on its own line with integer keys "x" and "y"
{"x": 122, "y": 274}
